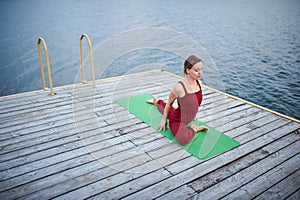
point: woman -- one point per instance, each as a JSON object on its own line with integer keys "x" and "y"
{"x": 189, "y": 97}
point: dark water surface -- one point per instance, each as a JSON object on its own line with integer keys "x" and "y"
{"x": 255, "y": 45}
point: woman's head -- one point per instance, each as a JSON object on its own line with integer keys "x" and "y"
{"x": 190, "y": 62}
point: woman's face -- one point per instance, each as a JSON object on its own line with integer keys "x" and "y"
{"x": 196, "y": 71}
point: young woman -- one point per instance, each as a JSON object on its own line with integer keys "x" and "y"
{"x": 189, "y": 97}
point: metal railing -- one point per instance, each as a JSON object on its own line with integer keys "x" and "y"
{"x": 91, "y": 58}
{"x": 42, "y": 67}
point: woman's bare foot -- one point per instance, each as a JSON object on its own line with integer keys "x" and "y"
{"x": 198, "y": 128}
{"x": 153, "y": 101}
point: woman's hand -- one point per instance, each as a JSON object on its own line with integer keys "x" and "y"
{"x": 162, "y": 124}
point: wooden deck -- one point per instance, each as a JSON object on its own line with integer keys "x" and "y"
{"x": 80, "y": 144}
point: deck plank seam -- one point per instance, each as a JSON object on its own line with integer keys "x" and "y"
{"x": 297, "y": 131}
{"x": 85, "y": 131}
{"x": 108, "y": 155}
{"x": 275, "y": 183}
{"x": 67, "y": 87}
{"x": 114, "y": 186}
{"x": 242, "y": 144}
{"x": 61, "y": 125}
{"x": 278, "y": 164}
{"x": 68, "y": 108}
{"x": 64, "y": 105}
{"x": 70, "y": 142}
{"x": 46, "y": 123}
{"x": 239, "y": 169}
{"x": 246, "y": 153}
{"x": 204, "y": 116}
{"x": 246, "y": 123}
{"x": 79, "y": 165}
{"x": 290, "y": 197}
{"x": 275, "y": 128}
{"x": 46, "y": 104}
{"x": 131, "y": 181}
{"x": 73, "y": 96}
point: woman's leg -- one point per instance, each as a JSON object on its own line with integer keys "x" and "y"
{"x": 172, "y": 115}
{"x": 182, "y": 133}
{"x": 161, "y": 106}
{"x": 152, "y": 101}
{"x": 198, "y": 128}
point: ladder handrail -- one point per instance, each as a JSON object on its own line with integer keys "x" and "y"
{"x": 40, "y": 39}
{"x": 91, "y": 58}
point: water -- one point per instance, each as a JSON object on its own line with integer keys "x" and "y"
{"x": 255, "y": 45}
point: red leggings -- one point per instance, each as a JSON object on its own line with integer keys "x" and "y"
{"x": 181, "y": 132}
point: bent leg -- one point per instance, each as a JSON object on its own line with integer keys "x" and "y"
{"x": 172, "y": 115}
{"x": 161, "y": 106}
{"x": 182, "y": 133}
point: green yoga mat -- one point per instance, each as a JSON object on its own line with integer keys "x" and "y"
{"x": 204, "y": 145}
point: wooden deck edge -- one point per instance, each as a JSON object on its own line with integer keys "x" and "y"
{"x": 78, "y": 84}
{"x": 174, "y": 75}
{"x": 242, "y": 100}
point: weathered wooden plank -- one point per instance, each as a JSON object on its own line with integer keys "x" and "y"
{"x": 147, "y": 147}
{"x": 39, "y": 137}
{"x": 183, "y": 192}
{"x": 163, "y": 150}
{"x": 57, "y": 123}
{"x": 226, "y": 115}
{"x": 27, "y": 98}
{"x": 177, "y": 167}
{"x": 66, "y": 89}
{"x": 94, "y": 175}
{"x": 39, "y": 116}
{"x": 96, "y": 147}
{"x": 188, "y": 163}
{"x": 228, "y": 170}
{"x": 48, "y": 149}
{"x": 242, "y": 121}
{"x": 217, "y": 106}
{"x": 283, "y": 189}
{"x": 258, "y": 132}
{"x": 51, "y": 159}
{"x": 38, "y": 111}
{"x": 31, "y": 138}
{"x": 43, "y": 122}
{"x": 115, "y": 193}
{"x": 33, "y": 103}
{"x": 256, "y": 123}
{"x": 91, "y": 95}
{"x": 237, "y": 119}
{"x": 206, "y": 167}
{"x": 265, "y": 181}
{"x": 135, "y": 182}
{"x": 43, "y": 188}
{"x": 77, "y": 157}
{"x": 62, "y": 141}
{"x": 295, "y": 195}
{"x": 81, "y": 160}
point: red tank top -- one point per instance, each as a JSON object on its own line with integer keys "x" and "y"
{"x": 188, "y": 105}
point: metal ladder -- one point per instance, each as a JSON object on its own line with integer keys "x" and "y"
{"x": 91, "y": 58}
{"x": 41, "y": 40}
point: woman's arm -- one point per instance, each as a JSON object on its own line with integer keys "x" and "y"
{"x": 172, "y": 96}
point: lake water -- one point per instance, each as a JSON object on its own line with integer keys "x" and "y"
{"x": 254, "y": 45}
